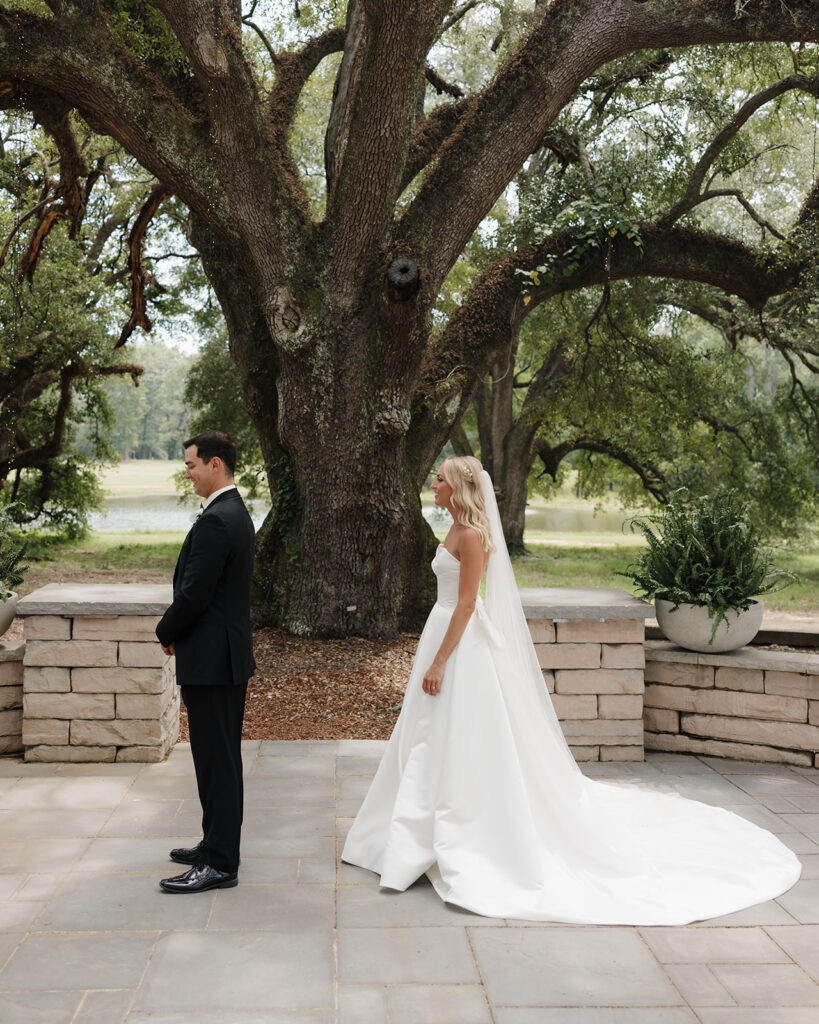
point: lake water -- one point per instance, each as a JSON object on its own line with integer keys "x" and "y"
{"x": 152, "y": 513}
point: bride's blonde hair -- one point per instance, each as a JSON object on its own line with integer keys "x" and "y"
{"x": 463, "y": 474}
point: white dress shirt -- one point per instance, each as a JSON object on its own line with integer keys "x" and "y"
{"x": 215, "y": 494}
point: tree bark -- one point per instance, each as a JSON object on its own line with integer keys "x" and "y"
{"x": 506, "y": 447}
{"x": 343, "y": 390}
{"x": 339, "y": 552}
{"x": 508, "y": 441}
{"x": 514, "y": 486}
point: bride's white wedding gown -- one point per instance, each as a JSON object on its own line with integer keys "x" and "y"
{"x": 478, "y": 789}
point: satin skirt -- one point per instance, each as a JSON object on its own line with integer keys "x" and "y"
{"x": 490, "y": 806}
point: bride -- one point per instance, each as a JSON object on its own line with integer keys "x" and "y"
{"x": 478, "y": 789}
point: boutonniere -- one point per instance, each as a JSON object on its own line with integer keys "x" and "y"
{"x": 198, "y": 515}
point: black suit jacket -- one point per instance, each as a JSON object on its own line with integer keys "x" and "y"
{"x": 209, "y": 620}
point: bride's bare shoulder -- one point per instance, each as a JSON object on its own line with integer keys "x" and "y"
{"x": 469, "y": 540}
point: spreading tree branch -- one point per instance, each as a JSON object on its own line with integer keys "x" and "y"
{"x": 292, "y": 72}
{"x": 136, "y": 271}
{"x": 37, "y": 208}
{"x": 76, "y": 56}
{"x": 248, "y": 20}
{"x": 374, "y": 110}
{"x": 460, "y": 442}
{"x": 810, "y": 207}
{"x": 694, "y": 193}
{"x": 554, "y": 369}
{"x": 429, "y": 134}
{"x": 440, "y": 85}
{"x": 70, "y": 197}
{"x": 659, "y": 61}
{"x": 569, "y": 40}
{"x": 104, "y": 232}
{"x": 24, "y": 384}
{"x": 267, "y": 204}
{"x": 456, "y": 15}
{"x": 494, "y": 308}
{"x": 722, "y": 316}
{"x": 73, "y": 190}
{"x": 653, "y": 479}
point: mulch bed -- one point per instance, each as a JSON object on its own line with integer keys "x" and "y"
{"x": 308, "y": 689}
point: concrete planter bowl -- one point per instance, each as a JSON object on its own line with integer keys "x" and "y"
{"x": 8, "y": 609}
{"x": 690, "y": 626}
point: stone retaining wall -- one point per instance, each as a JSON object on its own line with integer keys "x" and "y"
{"x": 11, "y": 697}
{"x": 96, "y": 685}
{"x": 754, "y": 705}
{"x": 590, "y": 646}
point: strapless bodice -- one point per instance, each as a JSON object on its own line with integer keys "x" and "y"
{"x": 447, "y": 571}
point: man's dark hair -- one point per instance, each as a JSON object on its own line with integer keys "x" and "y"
{"x": 214, "y": 442}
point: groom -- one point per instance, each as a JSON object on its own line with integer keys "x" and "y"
{"x": 207, "y": 627}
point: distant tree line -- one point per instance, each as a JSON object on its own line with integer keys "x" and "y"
{"x": 150, "y": 420}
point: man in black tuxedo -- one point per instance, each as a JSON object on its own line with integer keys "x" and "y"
{"x": 208, "y": 629}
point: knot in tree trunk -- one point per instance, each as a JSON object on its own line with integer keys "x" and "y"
{"x": 210, "y": 54}
{"x": 403, "y": 279}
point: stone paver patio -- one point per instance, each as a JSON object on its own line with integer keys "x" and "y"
{"x": 86, "y": 936}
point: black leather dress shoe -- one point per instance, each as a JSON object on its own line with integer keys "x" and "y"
{"x": 187, "y": 855}
{"x": 200, "y": 878}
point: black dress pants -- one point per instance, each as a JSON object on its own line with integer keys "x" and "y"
{"x": 215, "y": 716}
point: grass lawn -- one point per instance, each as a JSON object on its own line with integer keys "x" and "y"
{"x": 141, "y": 477}
{"x": 99, "y": 553}
{"x": 564, "y": 565}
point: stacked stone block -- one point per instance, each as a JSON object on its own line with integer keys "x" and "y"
{"x": 96, "y": 687}
{"x": 754, "y": 705}
{"x": 591, "y": 652}
{"x": 594, "y": 672}
{"x": 11, "y": 697}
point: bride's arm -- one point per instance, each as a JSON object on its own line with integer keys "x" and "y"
{"x": 472, "y": 561}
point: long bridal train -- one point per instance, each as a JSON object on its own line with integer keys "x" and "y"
{"x": 478, "y": 789}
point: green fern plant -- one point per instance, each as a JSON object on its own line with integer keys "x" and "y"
{"x": 704, "y": 551}
{"x": 12, "y": 553}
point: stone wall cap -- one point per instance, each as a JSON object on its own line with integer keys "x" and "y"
{"x": 582, "y": 603}
{"x": 745, "y": 657}
{"x": 12, "y": 650}
{"x": 99, "y": 599}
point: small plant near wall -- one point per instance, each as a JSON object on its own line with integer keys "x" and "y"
{"x": 704, "y": 552}
{"x": 12, "y": 553}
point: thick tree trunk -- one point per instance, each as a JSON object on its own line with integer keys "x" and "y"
{"x": 506, "y": 446}
{"x": 514, "y": 489}
{"x": 251, "y": 346}
{"x": 359, "y": 540}
{"x": 357, "y": 545}
{"x": 345, "y": 549}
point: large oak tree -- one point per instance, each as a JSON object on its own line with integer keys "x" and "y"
{"x": 330, "y": 321}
